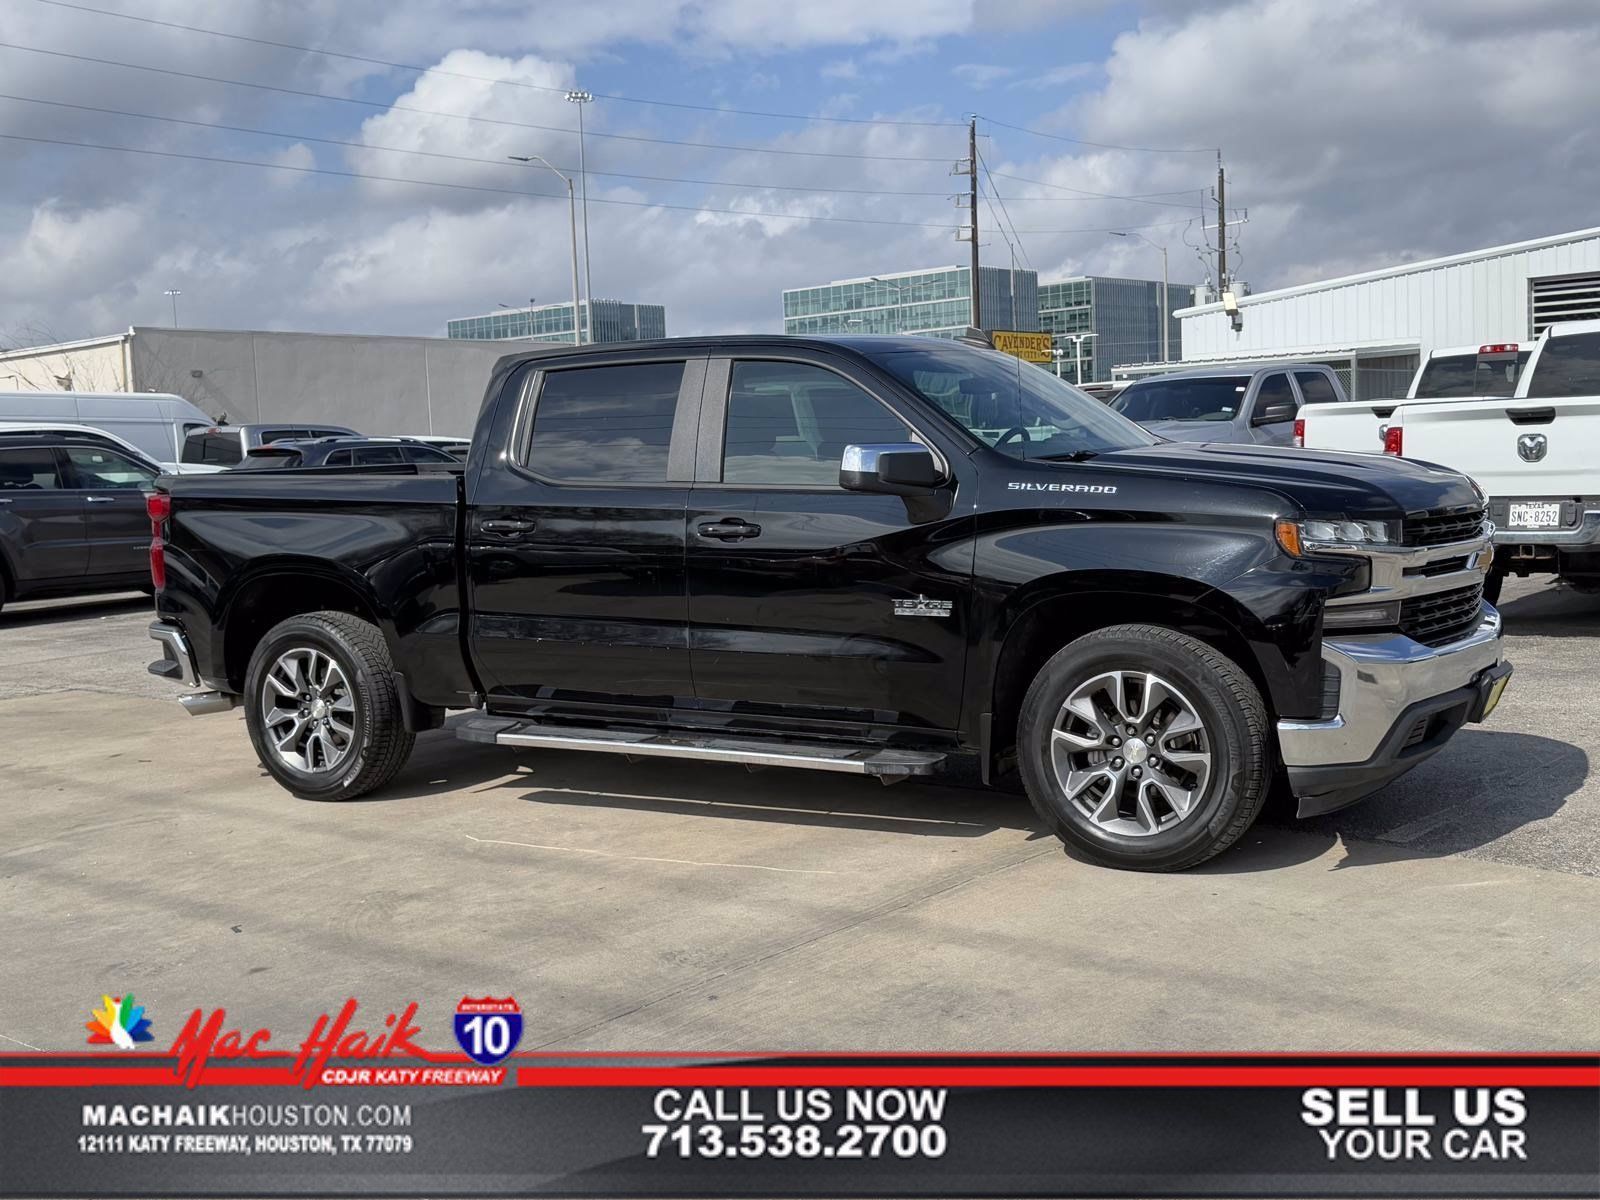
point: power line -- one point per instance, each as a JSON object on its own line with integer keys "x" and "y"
{"x": 1105, "y": 145}
{"x": 469, "y": 158}
{"x": 625, "y": 137}
{"x": 993, "y": 188}
{"x": 1139, "y": 198}
{"x": 400, "y": 66}
{"x": 470, "y": 187}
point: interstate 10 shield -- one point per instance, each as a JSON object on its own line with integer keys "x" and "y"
{"x": 488, "y": 1029}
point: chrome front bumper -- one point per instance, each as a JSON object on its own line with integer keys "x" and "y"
{"x": 1381, "y": 676}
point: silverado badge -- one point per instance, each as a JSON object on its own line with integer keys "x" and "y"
{"x": 922, "y": 607}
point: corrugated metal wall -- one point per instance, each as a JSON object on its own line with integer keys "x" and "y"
{"x": 1481, "y": 299}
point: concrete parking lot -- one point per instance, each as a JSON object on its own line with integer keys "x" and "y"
{"x": 691, "y": 907}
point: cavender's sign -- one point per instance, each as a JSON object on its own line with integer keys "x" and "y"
{"x": 1030, "y": 347}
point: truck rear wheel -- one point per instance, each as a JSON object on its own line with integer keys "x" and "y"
{"x": 1144, "y": 748}
{"x": 322, "y": 708}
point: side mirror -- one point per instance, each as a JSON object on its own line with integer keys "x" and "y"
{"x": 891, "y": 468}
{"x": 1276, "y": 414}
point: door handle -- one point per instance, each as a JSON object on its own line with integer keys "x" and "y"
{"x": 732, "y": 530}
{"x": 508, "y": 528}
{"x": 99, "y": 499}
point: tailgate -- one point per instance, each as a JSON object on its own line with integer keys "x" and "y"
{"x": 1511, "y": 447}
{"x": 1353, "y": 425}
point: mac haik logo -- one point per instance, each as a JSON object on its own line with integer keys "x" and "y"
{"x": 1531, "y": 447}
{"x": 120, "y": 1023}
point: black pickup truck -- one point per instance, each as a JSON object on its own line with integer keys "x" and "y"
{"x": 867, "y": 555}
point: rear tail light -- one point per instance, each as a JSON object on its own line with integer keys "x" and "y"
{"x": 1393, "y": 440}
{"x": 159, "y": 506}
{"x": 1300, "y": 431}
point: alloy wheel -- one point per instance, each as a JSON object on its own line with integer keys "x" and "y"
{"x": 1131, "y": 753}
{"x": 309, "y": 711}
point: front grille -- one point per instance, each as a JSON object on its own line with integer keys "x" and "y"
{"x": 1331, "y": 683}
{"x": 1442, "y": 528}
{"x": 1442, "y": 617}
{"x": 1441, "y": 566}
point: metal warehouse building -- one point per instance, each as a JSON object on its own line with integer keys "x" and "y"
{"x": 1373, "y": 328}
{"x": 379, "y": 385}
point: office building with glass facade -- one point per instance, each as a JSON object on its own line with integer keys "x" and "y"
{"x": 1122, "y": 315}
{"x": 936, "y": 302}
{"x": 604, "y": 321}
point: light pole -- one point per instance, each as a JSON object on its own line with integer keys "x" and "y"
{"x": 1078, "y": 340}
{"x": 1166, "y": 312}
{"x": 580, "y": 98}
{"x": 572, "y": 213}
{"x": 898, "y": 288}
{"x": 173, "y": 293}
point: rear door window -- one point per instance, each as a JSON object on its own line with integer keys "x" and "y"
{"x": 425, "y": 454}
{"x": 1316, "y": 387}
{"x": 28, "y": 469}
{"x": 1275, "y": 400}
{"x": 610, "y": 424}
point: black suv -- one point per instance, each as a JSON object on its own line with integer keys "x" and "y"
{"x": 72, "y": 516}
{"x": 344, "y": 452}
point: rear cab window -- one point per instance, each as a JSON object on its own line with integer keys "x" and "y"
{"x": 1459, "y": 376}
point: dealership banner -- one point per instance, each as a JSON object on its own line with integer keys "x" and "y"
{"x": 368, "y": 1106}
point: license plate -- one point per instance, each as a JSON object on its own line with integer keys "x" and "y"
{"x": 1535, "y": 516}
{"x": 1496, "y": 690}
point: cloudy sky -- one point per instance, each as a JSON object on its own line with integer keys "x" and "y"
{"x": 1357, "y": 133}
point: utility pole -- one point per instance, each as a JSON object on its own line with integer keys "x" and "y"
{"x": 972, "y": 209}
{"x": 1222, "y": 227}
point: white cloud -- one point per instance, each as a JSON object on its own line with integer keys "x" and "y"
{"x": 980, "y": 76}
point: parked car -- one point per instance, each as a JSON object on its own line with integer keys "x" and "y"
{"x": 86, "y": 434}
{"x": 455, "y": 447}
{"x": 1452, "y": 373}
{"x": 73, "y": 516}
{"x": 864, "y": 555}
{"x": 226, "y": 445}
{"x": 344, "y": 452}
{"x": 1240, "y": 404}
{"x": 156, "y": 423}
{"x": 1533, "y": 454}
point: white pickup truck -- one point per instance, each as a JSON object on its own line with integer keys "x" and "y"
{"x": 1536, "y": 455}
{"x": 1453, "y": 373}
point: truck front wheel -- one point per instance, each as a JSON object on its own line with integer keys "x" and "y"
{"x": 1144, "y": 748}
{"x": 322, "y": 708}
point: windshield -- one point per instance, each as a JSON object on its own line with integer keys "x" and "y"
{"x": 1016, "y": 407}
{"x": 1453, "y": 375}
{"x": 1183, "y": 399}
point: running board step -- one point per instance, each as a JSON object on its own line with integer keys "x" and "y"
{"x": 887, "y": 764}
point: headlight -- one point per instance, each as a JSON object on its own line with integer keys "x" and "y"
{"x": 1335, "y": 535}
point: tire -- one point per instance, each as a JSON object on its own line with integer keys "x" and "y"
{"x": 1492, "y": 583}
{"x": 1204, "y": 760}
{"x": 345, "y": 736}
